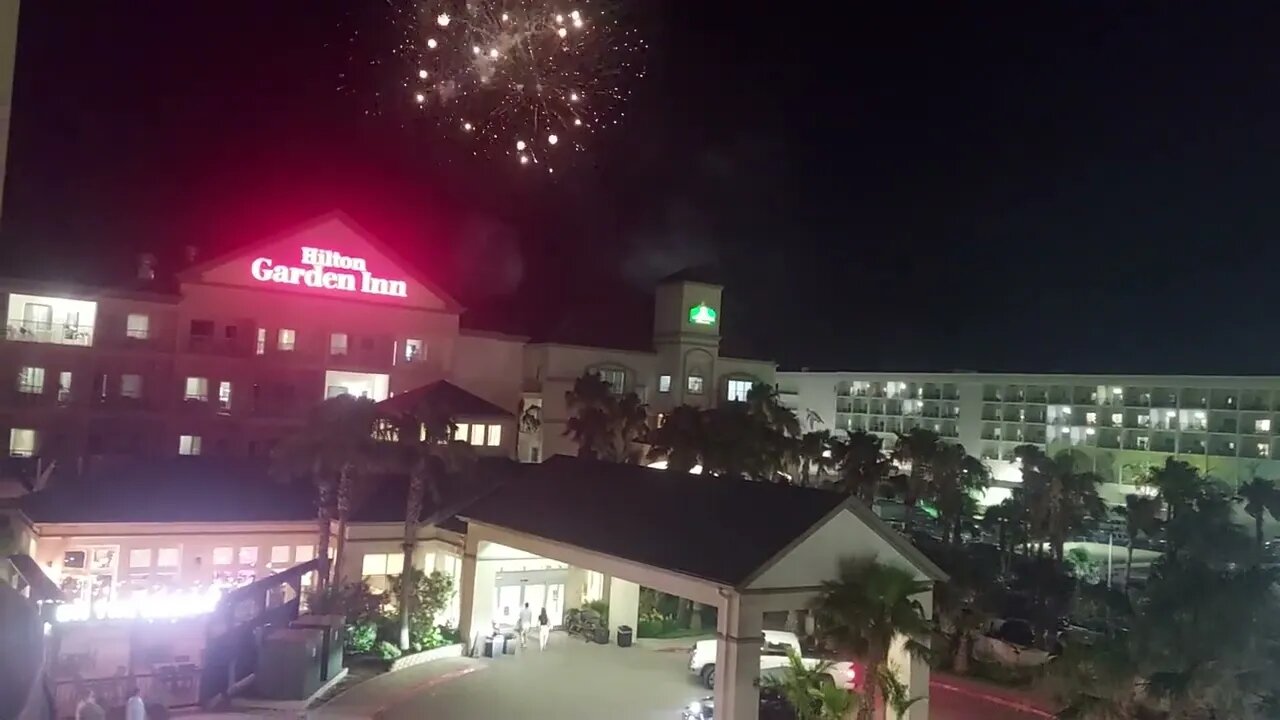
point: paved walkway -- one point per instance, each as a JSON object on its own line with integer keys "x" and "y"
{"x": 576, "y": 681}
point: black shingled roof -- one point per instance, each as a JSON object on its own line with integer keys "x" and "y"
{"x": 445, "y": 394}
{"x": 718, "y": 529}
{"x": 185, "y": 489}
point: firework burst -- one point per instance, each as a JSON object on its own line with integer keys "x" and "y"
{"x": 526, "y": 79}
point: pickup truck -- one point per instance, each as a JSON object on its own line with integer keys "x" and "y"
{"x": 773, "y": 659}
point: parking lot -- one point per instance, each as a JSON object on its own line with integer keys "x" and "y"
{"x": 576, "y": 681}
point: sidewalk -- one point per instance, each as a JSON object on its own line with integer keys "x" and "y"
{"x": 372, "y": 698}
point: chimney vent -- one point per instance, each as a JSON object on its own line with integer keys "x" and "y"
{"x": 146, "y": 266}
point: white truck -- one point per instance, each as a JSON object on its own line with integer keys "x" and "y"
{"x": 773, "y": 659}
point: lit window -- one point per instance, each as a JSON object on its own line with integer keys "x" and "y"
{"x": 694, "y": 385}
{"x": 1089, "y": 431}
{"x": 413, "y": 350}
{"x": 140, "y": 558}
{"x": 338, "y": 344}
{"x": 131, "y": 386}
{"x": 260, "y": 348}
{"x": 197, "y": 389}
{"x": 31, "y": 380}
{"x": 304, "y": 553}
{"x": 477, "y": 434}
{"x": 137, "y": 326}
{"x": 223, "y": 555}
{"x": 495, "y": 435}
{"x": 285, "y": 340}
{"x": 1091, "y": 418}
{"x": 280, "y": 554}
{"x": 249, "y": 556}
{"x": 64, "y": 386}
{"x": 461, "y": 432}
{"x": 1117, "y": 418}
{"x": 1144, "y": 443}
{"x": 224, "y": 396}
{"x": 738, "y": 390}
{"x": 382, "y": 564}
{"x": 664, "y": 383}
{"x": 188, "y": 444}
{"x": 22, "y": 442}
{"x": 1262, "y": 426}
{"x": 167, "y": 557}
{"x": 615, "y": 377}
{"x": 1264, "y": 450}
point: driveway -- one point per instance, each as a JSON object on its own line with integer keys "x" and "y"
{"x": 576, "y": 681}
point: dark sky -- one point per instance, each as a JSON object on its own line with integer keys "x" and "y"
{"x": 1037, "y": 186}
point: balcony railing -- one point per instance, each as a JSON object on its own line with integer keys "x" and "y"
{"x": 53, "y": 333}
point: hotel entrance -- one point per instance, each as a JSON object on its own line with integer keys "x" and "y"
{"x": 539, "y": 588}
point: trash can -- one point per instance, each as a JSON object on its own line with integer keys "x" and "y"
{"x": 493, "y": 646}
{"x": 602, "y": 635}
{"x": 511, "y": 644}
{"x": 624, "y": 636}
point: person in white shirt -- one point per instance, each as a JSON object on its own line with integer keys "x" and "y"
{"x": 523, "y": 625}
{"x": 134, "y": 708}
{"x": 89, "y": 709}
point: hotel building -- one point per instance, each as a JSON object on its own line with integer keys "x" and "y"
{"x": 229, "y": 360}
{"x": 1119, "y": 424}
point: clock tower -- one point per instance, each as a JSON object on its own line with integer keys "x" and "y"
{"x": 686, "y": 338}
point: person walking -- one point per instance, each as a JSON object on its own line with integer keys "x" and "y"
{"x": 134, "y": 708}
{"x": 544, "y": 629}
{"x": 524, "y": 624}
{"x": 89, "y": 709}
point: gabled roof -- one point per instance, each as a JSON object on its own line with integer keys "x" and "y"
{"x": 184, "y": 489}
{"x": 718, "y": 529}
{"x": 193, "y": 273}
{"x": 443, "y": 394}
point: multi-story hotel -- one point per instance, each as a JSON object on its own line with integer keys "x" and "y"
{"x": 228, "y": 360}
{"x": 1120, "y": 424}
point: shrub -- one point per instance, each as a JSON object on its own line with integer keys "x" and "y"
{"x": 601, "y": 607}
{"x": 387, "y": 651}
{"x": 361, "y": 638}
{"x": 431, "y": 595}
{"x": 354, "y": 601}
{"x": 427, "y": 639}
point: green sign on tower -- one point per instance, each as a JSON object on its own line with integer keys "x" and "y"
{"x": 702, "y": 314}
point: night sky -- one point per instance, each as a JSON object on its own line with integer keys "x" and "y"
{"x": 1022, "y": 186}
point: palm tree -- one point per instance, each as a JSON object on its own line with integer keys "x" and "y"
{"x": 679, "y": 440}
{"x": 1259, "y": 497}
{"x": 1141, "y": 517}
{"x": 862, "y": 463}
{"x": 797, "y": 684}
{"x": 1179, "y": 484}
{"x": 628, "y": 425}
{"x": 331, "y": 449}
{"x": 1060, "y": 500}
{"x": 958, "y": 478}
{"x": 423, "y": 447}
{"x": 865, "y": 610}
{"x": 589, "y": 422}
{"x": 352, "y": 422}
{"x": 815, "y": 455}
{"x": 916, "y": 449}
{"x": 764, "y": 403}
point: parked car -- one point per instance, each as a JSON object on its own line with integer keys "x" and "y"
{"x": 1010, "y": 643}
{"x": 773, "y": 657}
{"x": 772, "y": 707}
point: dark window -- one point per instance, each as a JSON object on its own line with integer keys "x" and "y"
{"x": 231, "y": 331}
{"x": 203, "y": 328}
{"x": 366, "y": 343}
{"x": 220, "y": 447}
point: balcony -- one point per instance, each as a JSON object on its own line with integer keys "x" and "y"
{"x": 50, "y": 333}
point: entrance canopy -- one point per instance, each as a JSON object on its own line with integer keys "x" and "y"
{"x": 725, "y": 531}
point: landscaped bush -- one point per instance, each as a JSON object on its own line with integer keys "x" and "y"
{"x": 601, "y": 608}
{"x": 361, "y": 638}
{"x": 387, "y": 650}
{"x": 427, "y": 639}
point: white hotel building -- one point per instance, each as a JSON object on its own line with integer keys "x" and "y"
{"x": 1120, "y": 424}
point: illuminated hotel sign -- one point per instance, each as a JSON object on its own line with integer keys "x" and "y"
{"x": 701, "y": 314}
{"x": 328, "y": 270}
